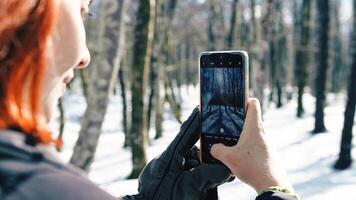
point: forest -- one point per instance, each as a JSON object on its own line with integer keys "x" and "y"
{"x": 145, "y": 52}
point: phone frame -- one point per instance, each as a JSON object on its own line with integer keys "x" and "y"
{"x": 245, "y": 61}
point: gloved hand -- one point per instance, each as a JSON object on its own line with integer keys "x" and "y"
{"x": 177, "y": 174}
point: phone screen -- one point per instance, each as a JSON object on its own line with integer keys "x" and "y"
{"x": 222, "y": 100}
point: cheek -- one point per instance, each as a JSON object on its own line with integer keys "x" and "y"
{"x": 65, "y": 50}
{"x": 69, "y": 37}
{"x": 54, "y": 74}
{"x": 49, "y": 102}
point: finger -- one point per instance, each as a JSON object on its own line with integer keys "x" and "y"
{"x": 188, "y": 134}
{"x": 191, "y": 163}
{"x": 185, "y": 140}
{"x": 220, "y": 152}
{"x": 206, "y": 176}
{"x": 253, "y": 111}
{"x": 192, "y": 159}
{"x": 193, "y": 153}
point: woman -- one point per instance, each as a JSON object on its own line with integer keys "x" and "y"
{"x": 41, "y": 43}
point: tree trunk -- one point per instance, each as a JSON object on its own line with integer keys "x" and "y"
{"x": 278, "y": 54}
{"x": 273, "y": 64}
{"x": 125, "y": 119}
{"x": 302, "y": 55}
{"x": 212, "y": 23}
{"x": 165, "y": 16}
{"x": 345, "y": 158}
{"x": 143, "y": 31}
{"x": 172, "y": 100}
{"x": 61, "y": 122}
{"x": 156, "y": 96}
{"x": 262, "y": 75}
{"x": 160, "y": 100}
{"x": 101, "y": 76}
{"x": 323, "y": 64}
{"x": 297, "y": 25}
{"x": 337, "y": 75}
{"x": 252, "y": 54}
{"x": 84, "y": 80}
{"x": 279, "y": 94}
{"x": 231, "y": 35}
{"x": 151, "y": 100}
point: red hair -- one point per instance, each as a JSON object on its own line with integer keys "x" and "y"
{"x": 25, "y": 27}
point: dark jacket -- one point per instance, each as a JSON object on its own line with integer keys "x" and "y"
{"x": 26, "y": 172}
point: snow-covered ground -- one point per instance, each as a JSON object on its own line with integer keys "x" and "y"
{"x": 307, "y": 159}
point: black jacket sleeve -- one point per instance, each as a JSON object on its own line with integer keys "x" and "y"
{"x": 276, "y": 196}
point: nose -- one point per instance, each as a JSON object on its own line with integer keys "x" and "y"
{"x": 84, "y": 61}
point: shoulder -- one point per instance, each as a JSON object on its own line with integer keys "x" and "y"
{"x": 27, "y": 172}
{"x": 56, "y": 184}
{"x": 49, "y": 182}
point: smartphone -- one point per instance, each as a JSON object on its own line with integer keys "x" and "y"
{"x": 223, "y": 94}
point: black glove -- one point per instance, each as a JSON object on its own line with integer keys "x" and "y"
{"x": 177, "y": 173}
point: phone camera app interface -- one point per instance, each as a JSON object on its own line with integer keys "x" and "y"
{"x": 222, "y": 102}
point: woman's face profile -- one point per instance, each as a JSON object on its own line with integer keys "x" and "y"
{"x": 67, "y": 51}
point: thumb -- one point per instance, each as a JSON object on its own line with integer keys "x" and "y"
{"x": 220, "y": 152}
{"x": 253, "y": 115}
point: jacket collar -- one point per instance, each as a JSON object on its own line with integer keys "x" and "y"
{"x": 13, "y": 145}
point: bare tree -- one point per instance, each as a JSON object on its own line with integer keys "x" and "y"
{"x": 302, "y": 55}
{"x": 338, "y": 77}
{"x": 253, "y": 50}
{"x": 262, "y": 73}
{"x": 61, "y": 122}
{"x": 278, "y": 49}
{"x": 143, "y": 32}
{"x": 124, "y": 86}
{"x": 345, "y": 159}
{"x": 212, "y": 23}
{"x": 323, "y": 64}
{"x": 231, "y": 35}
{"x": 106, "y": 53}
{"x": 159, "y": 61}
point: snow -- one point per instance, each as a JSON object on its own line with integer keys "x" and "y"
{"x": 307, "y": 159}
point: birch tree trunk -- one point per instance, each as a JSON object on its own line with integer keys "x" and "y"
{"x": 102, "y": 73}
{"x": 143, "y": 31}
{"x": 165, "y": 17}
{"x": 262, "y": 72}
